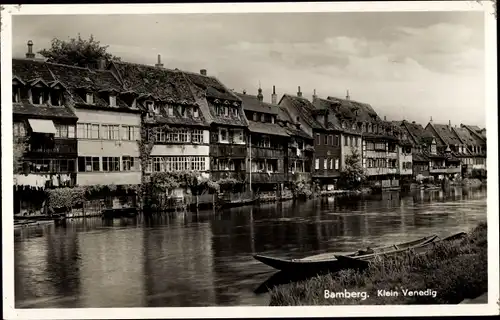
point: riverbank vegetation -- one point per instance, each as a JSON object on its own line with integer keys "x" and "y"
{"x": 456, "y": 270}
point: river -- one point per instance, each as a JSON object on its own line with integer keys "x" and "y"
{"x": 205, "y": 258}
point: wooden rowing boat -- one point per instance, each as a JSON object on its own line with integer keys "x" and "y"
{"x": 328, "y": 261}
{"x": 362, "y": 261}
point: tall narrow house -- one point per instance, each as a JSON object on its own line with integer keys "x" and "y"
{"x": 454, "y": 151}
{"x": 267, "y": 144}
{"x": 315, "y": 122}
{"x": 380, "y": 142}
{"x": 228, "y": 127}
{"x": 44, "y": 130}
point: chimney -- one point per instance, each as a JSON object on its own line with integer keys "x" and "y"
{"x": 299, "y": 94}
{"x": 274, "y": 97}
{"x": 314, "y": 94}
{"x": 413, "y": 122}
{"x": 347, "y": 97}
{"x": 385, "y": 118}
{"x": 449, "y": 124}
{"x": 430, "y": 120}
{"x": 244, "y": 91}
{"x": 326, "y": 118}
{"x": 159, "y": 64}
{"x": 30, "y": 54}
{"x": 203, "y": 72}
{"x": 298, "y": 125}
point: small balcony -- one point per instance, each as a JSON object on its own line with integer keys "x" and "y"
{"x": 226, "y": 174}
{"x": 264, "y": 177}
{"x": 441, "y": 170}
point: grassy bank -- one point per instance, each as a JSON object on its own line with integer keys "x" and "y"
{"x": 456, "y": 270}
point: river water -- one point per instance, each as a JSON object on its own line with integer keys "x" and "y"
{"x": 205, "y": 258}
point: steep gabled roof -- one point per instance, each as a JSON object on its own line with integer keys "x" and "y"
{"x": 477, "y": 133}
{"x": 163, "y": 84}
{"x": 252, "y": 103}
{"x": 417, "y": 132}
{"x": 28, "y": 70}
{"x": 446, "y": 134}
{"x": 465, "y": 136}
{"x": 212, "y": 87}
{"x": 351, "y": 109}
{"x": 290, "y": 125}
{"x": 304, "y": 108}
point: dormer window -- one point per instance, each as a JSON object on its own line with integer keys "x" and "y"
{"x": 226, "y": 111}
{"x": 196, "y": 112}
{"x": 89, "y": 98}
{"x": 112, "y": 100}
{"x": 37, "y": 96}
{"x": 354, "y": 125}
{"x": 56, "y": 98}
{"x": 363, "y": 128}
{"x": 182, "y": 111}
{"x": 150, "y": 106}
{"x": 272, "y": 119}
{"x": 344, "y": 125}
{"x": 262, "y": 118}
{"x": 235, "y": 112}
{"x": 170, "y": 110}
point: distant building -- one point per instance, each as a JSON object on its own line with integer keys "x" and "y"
{"x": 424, "y": 151}
{"x": 380, "y": 140}
{"x": 454, "y": 150}
{"x": 475, "y": 139}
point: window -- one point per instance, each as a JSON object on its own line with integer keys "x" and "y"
{"x": 363, "y": 128}
{"x": 226, "y": 111}
{"x": 89, "y": 98}
{"x": 337, "y": 140}
{"x": 198, "y": 163}
{"x": 225, "y": 165}
{"x": 88, "y": 164}
{"x": 16, "y": 94}
{"x": 370, "y": 145}
{"x": 110, "y": 164}
{"x": 272, "y": 119}
{"x": 130, "y": 133}
{"x": 331, "y": 164}
{"x": 357, "y": 142}
{"x": 379, "y": 146}
{"x": 183, "y": 135}
{"x": 130, "y": 163}
{"x": 353, "y": 126}
{"x": 150, "y": 106}
{"x": 326, "y": 140}
{"x": 344, "y": 125}
{"x": 61, "y": 131}
{"x": 197, "y": 136}
{"x": 182, "y": 111}
{"x": 239, "y": 137}
{"x": 234, "y": 112}
{"x": 172, "y": 136}
{"x": 223, "y": 135}
{"x": 63, "y": 165}
{"x": 196, "y": 112}
{"x": 316, "y": 164}
{"x": 337, "y": 164}
{"x": 325, "y": 163}
{"x": 170, "y": 110}
{"x": 255, "y": 116}
{"x": 330, "y": 140}
{"x": 110, "y": 132}
{"x": 318, "y": 137}
{"x": 351, "y": 141}
{"x": 262, "y": 118}
{"x": 346, "y": 141}
{"x": 18, "y": 129}
{"x": 264, "y": 142}
{"x": 112, "y": 101}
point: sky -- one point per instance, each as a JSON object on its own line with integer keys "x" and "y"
{"x": 407, "y": 65}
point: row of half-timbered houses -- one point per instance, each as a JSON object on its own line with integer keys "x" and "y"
{"x": 116, "y": 123}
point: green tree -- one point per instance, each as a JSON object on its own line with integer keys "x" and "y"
{"x": 78, "y": 52}
{"x": 352, "y": 175}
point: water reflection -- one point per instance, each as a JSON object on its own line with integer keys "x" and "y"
{"x": 205, "y": 258}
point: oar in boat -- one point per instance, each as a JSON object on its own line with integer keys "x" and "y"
{"x": 352, "y": 263}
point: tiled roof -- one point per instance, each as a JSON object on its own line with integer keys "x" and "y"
{"x": 212, "y": 87}
{"x": 290, "y": 125}
{"x": 163, "y": 84}
{"x": 446, "y": 134}
{"x": 229, "y": 120}
{"x": 420, "y": 157}
{"x": 417, "y": 132}
{"x": 477, "y": 133}
{"x": 464, "y": 135}
{"x": 267, "y": 128}
{"x": 252, "y": 103}
{"x": 351, "y": 109}
{"x": 305, "y": 109}
{"x": 28, "y": 70}
{"x": 42, "y": 111}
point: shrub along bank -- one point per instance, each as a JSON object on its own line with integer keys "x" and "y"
{"x": 447, "y": 274}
